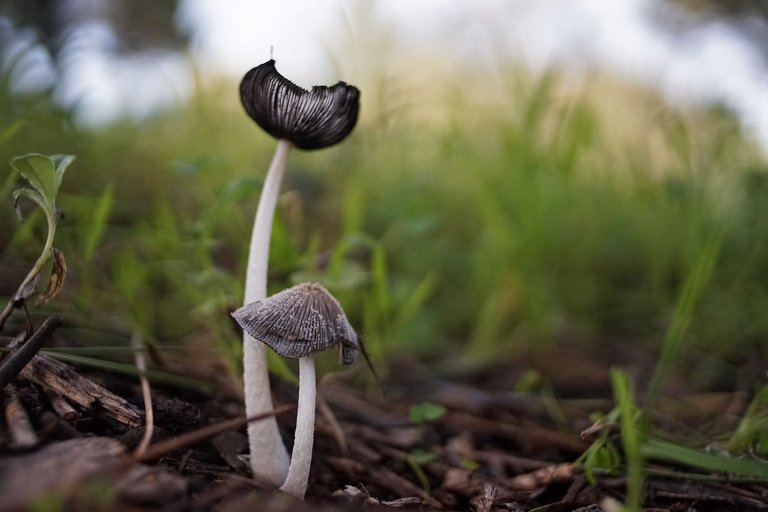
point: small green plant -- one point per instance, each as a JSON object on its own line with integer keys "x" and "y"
{"x": 44, "y": 174}
{"x": 636, "y": 428}
{"x": 641, "y": 444}
{"x": 47, "y": 503}
{"x": 602, "y": 456}
{"x": 420, "y": 415}
{"x": 752, "y": 431}
{"x": 425, "y": 412}
{"x": 416, "y": 460}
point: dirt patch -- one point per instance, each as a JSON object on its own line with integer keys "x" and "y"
{"x": 492, "y": 448}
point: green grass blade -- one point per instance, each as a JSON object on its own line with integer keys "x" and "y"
{"x": 98, "y": 222}
{"x": 128, "y": 369}
{"x": 753, "y": 425}
{"x": 664, "y": 451}
{"x": 631, "y": 436}
{"x": 689, "y": 297}
{"x": 416, "y": 299}
{"x": 101, "y": 350}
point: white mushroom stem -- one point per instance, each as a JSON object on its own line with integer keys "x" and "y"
{"x": 301, "y": 457}
{"x": 269, "y": 458}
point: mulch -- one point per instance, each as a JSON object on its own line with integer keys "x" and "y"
{"x": 67, "y": 434}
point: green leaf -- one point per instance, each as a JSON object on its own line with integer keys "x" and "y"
{"x": 8, "y": 182}
{"x": 425, "y": 412}
{"x": 601, "y": 456}
{"x": 470, "y": 465}
{"x": 31, "y": 195}
{"x": 529, "y": 381}
{"x": 421, "y": 456}
{"x": 44, "y": 173}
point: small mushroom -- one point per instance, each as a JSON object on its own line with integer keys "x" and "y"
{"x": 297, "y": 323}
{"x": 310, "y": 119}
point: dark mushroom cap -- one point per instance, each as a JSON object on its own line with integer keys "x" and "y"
{"x": 300, "y": 321}
{"x": 310, "y": 119}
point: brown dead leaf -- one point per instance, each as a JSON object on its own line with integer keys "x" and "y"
{"x": 58, "y": 274}
{"x": 23, "y": 293}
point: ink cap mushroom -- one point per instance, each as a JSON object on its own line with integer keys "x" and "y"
{"x": 306, "y": 119}
{"x": 297, "y": 323}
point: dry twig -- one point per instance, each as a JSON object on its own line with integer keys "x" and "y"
{"x": 197, "y": 436}
{"x": 60, "y": 406}
{"x": 14, "y": 363}
{"x": 146, "y": 393}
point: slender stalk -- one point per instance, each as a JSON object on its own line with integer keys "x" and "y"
{"x": 631, "y": 437}
{"x": 301, "y": 457}
{"x": 45, "y": 255}
{"x": 258, "y": 256}
{"x": 269, "y": 458}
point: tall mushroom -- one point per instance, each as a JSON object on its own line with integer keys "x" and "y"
{"x": 297, "y": 323}
{"x": 311, "y": 119}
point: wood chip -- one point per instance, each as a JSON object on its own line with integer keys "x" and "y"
{"x": 485, "y": 501}
{"x": 60, "y": 406}
{"x": 17, "y": 420}
{"x": 63, "y": 380}
{"x": 544, "y": 477}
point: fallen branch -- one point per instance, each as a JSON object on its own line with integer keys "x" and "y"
{"x": 63, "y": 380}
{"x": 14, "y": 363}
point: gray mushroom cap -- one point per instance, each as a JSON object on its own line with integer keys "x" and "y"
{"x": 300, "y": 321}
{"x": 310, "y": 119}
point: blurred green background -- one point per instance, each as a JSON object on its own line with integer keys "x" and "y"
{"x": 468, "y": 218}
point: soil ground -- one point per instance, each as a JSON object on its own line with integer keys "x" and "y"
{"x": 494, "y": 448}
